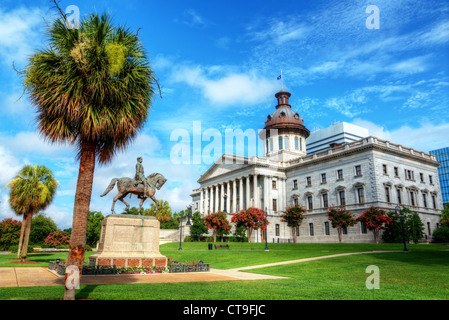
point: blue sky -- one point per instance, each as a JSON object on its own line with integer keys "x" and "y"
{"x": 217, "y": 62}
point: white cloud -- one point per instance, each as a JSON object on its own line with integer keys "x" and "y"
{"x": 427, "y": 136}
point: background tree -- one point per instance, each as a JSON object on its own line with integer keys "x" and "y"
{"x": 250, "y": 219}
{"x": 57, "y": 238}
{"x": 375, "y": 219}
{"x": 41, "y": 227}
{"x": 218, "y": 222}
{"x": 198, "y": 227}
{"x": 413, "y": 227}
{"x": 163, "y": 212}
{"x": 92, "y": 86}
{"x": 94, "y": 221}
{"x": 444, "y": 218}
{"x": 9, "y": 233}
{"x": 340, "y": 218}
{"x": 293, "y": 216}
{"x": 31, "y": 190}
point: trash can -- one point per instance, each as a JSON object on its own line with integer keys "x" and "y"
{"x": 210, "y": 246}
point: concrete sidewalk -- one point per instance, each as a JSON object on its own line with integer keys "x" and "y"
{"x": 41, "y": 276}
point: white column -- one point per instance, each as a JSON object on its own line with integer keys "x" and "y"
{"x": 228, "y": 197}
{"x": 256, "y": 192}
{"x": 216, "y": 198}
{"x": 265, "y": 192}
{"x": 248, "y": 197}
{"x": 221, "y": 197}
{"x": 201, "y": 201}
{"x": 234, "y": 195}
{"x": 270, "y": 201}
{"x": 241, "y": 193}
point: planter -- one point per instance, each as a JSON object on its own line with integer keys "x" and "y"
{"x": 87, "y": 270}
{"x": 189, "y": 267}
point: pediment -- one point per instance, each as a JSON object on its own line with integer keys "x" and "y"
{"x": 224, "y": 166}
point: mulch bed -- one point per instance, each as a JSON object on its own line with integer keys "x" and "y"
{"x": 24, "y": 262}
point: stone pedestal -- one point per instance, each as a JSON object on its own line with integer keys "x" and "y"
{"x": 129, "y": 241}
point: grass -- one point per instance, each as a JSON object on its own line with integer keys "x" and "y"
{"x": 420, "y": 273}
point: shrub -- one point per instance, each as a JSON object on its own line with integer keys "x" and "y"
{"x": 58, "y": 238}
{"x": 441, "y": 235}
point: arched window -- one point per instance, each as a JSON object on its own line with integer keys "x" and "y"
{"x": 296, "y": 143}
{"x": 287, "y": 146}
{"x": 280, "y": 143}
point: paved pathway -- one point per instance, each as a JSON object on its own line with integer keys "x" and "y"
{"x": 41, "y": 276}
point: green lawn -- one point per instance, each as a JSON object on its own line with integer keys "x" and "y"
{"x": 420, "y": 273}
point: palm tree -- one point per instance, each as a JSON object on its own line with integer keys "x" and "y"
{"x": 92, "y": 87}
{"x": 32, "y": 190}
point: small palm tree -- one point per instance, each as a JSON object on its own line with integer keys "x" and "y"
{"x": 32, "y": 190}
{"x": 92, "y": 87}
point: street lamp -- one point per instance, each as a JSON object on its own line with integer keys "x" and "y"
{"x": 266, "y": 230}
{"x": 189, "y": 214}
{"x": 402, "y": 224}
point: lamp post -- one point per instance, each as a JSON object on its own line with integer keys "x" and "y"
{"x": 266, "y": 230}
{"x": 402, "y": 225}
{"x": 189, "y": 209}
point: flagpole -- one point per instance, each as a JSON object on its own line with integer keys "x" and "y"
{"x": 282, "y": 79}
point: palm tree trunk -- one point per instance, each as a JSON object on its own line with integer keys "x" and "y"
{"x": 26, "y": 237}
{"x": 22, "y": 231}
{"x": 80, "y": 215}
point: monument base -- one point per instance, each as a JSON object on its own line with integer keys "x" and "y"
{"x": 129, "y": 241}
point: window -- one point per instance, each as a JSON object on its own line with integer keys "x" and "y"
{"x": 409, "y": 175}
{"x": 385, "y": 170}
{"x": 286, "y": 142}
{"x": 421, "y": 177}
{"x": 325, "y": 200}
{"x": 412, "y": 198}
{"x": 360, "y": 195}
{"x": 277, "y": 230}
{"x": 310, "y": 202}
{"x": 387, "y": 194}
{"x": 295, "y": 184}
{"x": 311, "y": 229}
{"x": 297, "y": 231}
{"x": 430, "y": 179}
{"x": 323, "y": 178}
{"x": 309, "y": 181}
{"x": 363, "y": 227}
{"x": 398, "y": 194}
{"x": 434, "y": 201}
{"x": 424, "y": 200}
{"x": 275, "y": 207}
{"x": 273, "y": 184}
{"x": 428, "y": 229}
{"x": 280, "y": 143}
{"x": 396, "y": 172}
{"x": 358, "y": 171}
{"x": 344, "y": 230}
{"x": 340, "y": 174}
{"x": 296, "y": 143}
{"x": 342, "y": 197}
{"x": 271, "y": 144}
{"x": 326, "y": 228}
{"x": 295, "y": 201}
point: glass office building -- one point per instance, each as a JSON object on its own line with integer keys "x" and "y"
{"x": 442, "y": 156}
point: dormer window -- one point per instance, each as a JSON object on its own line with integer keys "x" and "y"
{"x": 282, "y": 115}
{"x": 296, "y": 116}
{"x": 269, "y": 118}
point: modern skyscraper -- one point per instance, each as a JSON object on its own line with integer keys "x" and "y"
{"x": 442, "y": 156}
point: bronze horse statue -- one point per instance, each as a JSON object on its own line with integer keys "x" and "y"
{"x": 126, "y": 186}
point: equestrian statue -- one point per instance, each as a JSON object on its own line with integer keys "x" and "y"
{"x": 141, "y": 186}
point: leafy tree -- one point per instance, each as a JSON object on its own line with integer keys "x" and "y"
{"x": 413, "y": 227}
{"x": 94, "y": 221}
{"x": 92, "y": 86}
{"x": 41, "y": 227}
{"x": 218, "y": 222}
{"x": 444, "y": 218}
{"x": 375, "y": 219}
{"x": 340, "y": 218}
{"x": 9, "y": 232}
{"x": 32, "y": 190}
{"x": 198, "y": 226}
{"x": 441, "y": 235}
{"x": 251, "y": 219}
{"x": 163, "y": 212}
{"x": 293, "y": 216}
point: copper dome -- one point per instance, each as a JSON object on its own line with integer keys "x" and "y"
{"x": 284, "y": 118}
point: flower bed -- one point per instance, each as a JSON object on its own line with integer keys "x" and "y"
{"x": 173, "y": 267}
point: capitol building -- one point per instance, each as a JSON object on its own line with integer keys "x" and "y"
{"x": 345, "y": 167}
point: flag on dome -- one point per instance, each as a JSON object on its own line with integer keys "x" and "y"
{"x": 279, "y": 78}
